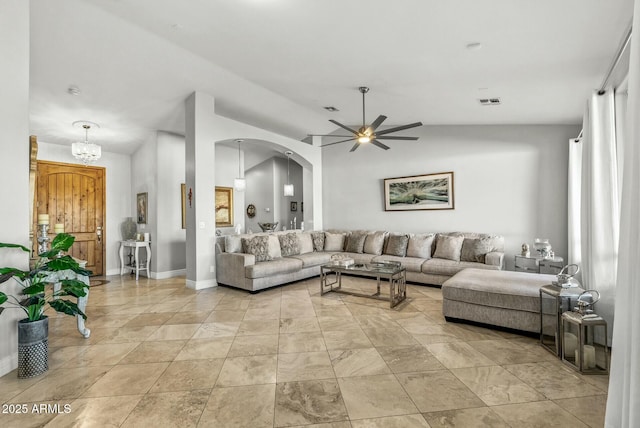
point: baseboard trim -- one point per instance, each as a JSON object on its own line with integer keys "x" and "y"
{"x": 8, "y": 364}
{"x": 201, "y": 285}
{"x": 168, "y": 274}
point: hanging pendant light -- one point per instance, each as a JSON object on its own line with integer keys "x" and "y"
{"x": 84, "y": 150}
{"x": 239, "y": 183}
{"x": 288, "y": 188}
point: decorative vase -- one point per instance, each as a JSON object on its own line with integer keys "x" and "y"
{"x": 128, "y": 229}
{"x": 33, "y": 347}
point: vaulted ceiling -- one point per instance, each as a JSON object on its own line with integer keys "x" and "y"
{"x": 276, "y": 63}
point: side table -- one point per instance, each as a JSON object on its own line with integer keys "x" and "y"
{"x": 554, "y": 301}
{"x": 538, "y": 264}
{"x": 137, "y": 266}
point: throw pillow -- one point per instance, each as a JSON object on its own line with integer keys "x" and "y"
{"x": 318, "y": 241}
{"x": 448, "y": 247}
{"x": 289, "y": 245}
{"x": 475, "y": 250}
{"x": 355, "y": 242}
{"x": 232, "y": 244}
{"x": 333, "y": 241}
{"x": 274, "y": 246}
{"x": 396, "y": 245}
{"x": 305, "y": 242}
{"x": 374, "y": 243}
{"x": 420, "y": 246}
{"x": 258, "y": 246}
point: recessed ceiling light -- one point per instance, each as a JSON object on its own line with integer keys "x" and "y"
{"x": 330, "y": 108}
{"x": 474, "y": 46}
{"x": 73, "y": 90}
{"x": 483, "y": 89}
{"x": 489, "y": 101}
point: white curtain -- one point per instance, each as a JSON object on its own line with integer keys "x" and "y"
{"x": 599, "y": 213}
{"x": 573, "y": 211}
{"x": 623, "y": 402}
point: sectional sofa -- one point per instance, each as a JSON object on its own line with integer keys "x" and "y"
{"x": 257, "y": 261}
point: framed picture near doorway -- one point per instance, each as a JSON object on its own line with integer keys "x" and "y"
{"x": 142, "y": 205}
{"x": 224, "y": 206}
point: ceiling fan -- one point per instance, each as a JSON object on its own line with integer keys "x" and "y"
{"x": 367, "y": 134}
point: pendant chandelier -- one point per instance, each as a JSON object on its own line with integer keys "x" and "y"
{"x": 84, "y": 150}
{"x": 239, "y": 183}
{"x": 288, "y": 188}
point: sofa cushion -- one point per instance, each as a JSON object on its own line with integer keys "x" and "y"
{"x": 318, "y": 241}
{"x": 355, "y": 242}
{"x": 289, "y": 244}
{"x": 420, "y": 245}
{"x": 411, "y": 264}
{"x": 306, "y": 243}
{"x": 374, "y": 243}
{"x": 334, "y": 241}
{"x": 448, "y": 247}
{"x": 396, "y": 245}
{"x": 258, "y": 246}
{"x": 273, "y": 267}
{"x": 475, "y": 250}
{"x": 449, "y": 267}
{"x": 232, "y": 244}
{"x": 315, "y": 258}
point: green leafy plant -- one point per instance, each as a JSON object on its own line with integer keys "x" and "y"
{"x": 34, "y": 294}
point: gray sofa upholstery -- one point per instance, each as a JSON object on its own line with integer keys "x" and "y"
{"x": 241, "y": 270}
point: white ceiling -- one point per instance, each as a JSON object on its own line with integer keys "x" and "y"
{"x": 276, "y": 63}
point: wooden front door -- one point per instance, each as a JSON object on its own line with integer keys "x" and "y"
{"x": 74, "y": 196}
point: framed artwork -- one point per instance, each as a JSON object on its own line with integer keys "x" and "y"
{"x": 224, "y": 206}
{"x": 419, "y": 192}
{"x": 301, "y": 206}
{"x": 142, "y": 205}
{"x": 294, "y": 206}
{"x": 251, "y": 211}
{"x": 183, "y": 204}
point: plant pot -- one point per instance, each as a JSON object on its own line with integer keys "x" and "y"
{"x": 33, "y": 347}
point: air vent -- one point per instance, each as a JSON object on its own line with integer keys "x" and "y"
{"x": 489, "y": 101}
{"x": 330, "y": 108}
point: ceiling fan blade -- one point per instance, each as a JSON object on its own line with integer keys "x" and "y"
{"x": 327, "y": 135}
{"x": 391, "y": 137}
{"x": 338, "y": 142}
{"x": 355, "y": 147}
{"x": 353, "y": 131}
{"x": 398, "y": 128}
{"x": 377, "y": 122}
{"x": 379, "y": 144}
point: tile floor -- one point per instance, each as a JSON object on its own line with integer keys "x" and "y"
{"x": 162, "y": 355}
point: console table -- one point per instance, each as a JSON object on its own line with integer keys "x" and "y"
{"x": 136, "y": 266}
{"x": 539, "y": 265}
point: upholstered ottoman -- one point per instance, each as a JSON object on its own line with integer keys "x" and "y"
{"x": 501, "y": 298}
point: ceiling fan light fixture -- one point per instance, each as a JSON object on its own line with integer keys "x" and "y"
{"x": 364, "y": 139}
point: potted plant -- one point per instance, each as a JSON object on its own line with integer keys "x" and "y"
{"x": 34, "y": 297}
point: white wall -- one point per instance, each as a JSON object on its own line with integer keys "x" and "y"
{"x": 118, "y": 194}
{"x": 509, "y": 180}
{"x": 14, "y": 174}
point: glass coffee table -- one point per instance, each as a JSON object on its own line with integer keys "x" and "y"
{"x": 331, "y": 279}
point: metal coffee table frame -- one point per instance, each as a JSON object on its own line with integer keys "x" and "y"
{"x": 331, "y": 280}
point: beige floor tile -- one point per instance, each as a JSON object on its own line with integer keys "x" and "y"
{"x": 174, "y": 332}
{"x": 188, "y": 375}
{"x": 62, "y": 384}
{"x": 418, "y": 324}
{"x": 301, "y": 342}
{"x": 254, "y": 345}
{"x": 107, "y": 321}
{"x": 262, "y": 314}
{"x": 304, "y": 366}
{"x": 375, "y": 396}
{"x": 494, "y": 385}
{"x": 258, "y": 327}
{"x": 217, "y": 329}
{"x": 225, "y": 316}
{"x": 299, "y": 325}
{"x": 405, "y": 421}
{"x": 129, "y": 334}
{"x": 102, "y": 355}
{"x": 346, "y": 339}
{"x": 202, "y": 349}
{"x": 240, "y": 406}
{"x": 154, "y": 352}
{"x": 331, "y": 323}
{"x": 457, "y": 355}
{"x": 33, "y": 418}
{"x": 58, "y": 357}
{"x": 407, "y": 359}
{"x": 309, "y": 402}
{"x": 197, "y": 317}
{"x": 480, "y": 417}
{"x": 174, "y": 409}
{"x": 537, "y": 414}
{"x": 438, "y": 390}
{"x": 389, "y": 337}
{"x": 96, "y": 412}
{"x": 590, "y": 410}
{"x": 342, "y": 424}
{"x": 10, "y": 385}
{"x": 255, "y": 370}
{"x": 382, "y": 321}
{"x": 127, "y": 379}
{"x": 357, "y": 362}
{"x": 511, "y": 352}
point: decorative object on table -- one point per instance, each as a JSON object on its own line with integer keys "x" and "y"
{"x": 218, "y": 232}
{"x": 587, "y": 334}
{"x": 84, "y": 150}
{"x": 554, "y": 301}
{"x": 525, "y": 250}
{"x": 43, "y": 236}
{"x": 183, "y": 204}
{"x": 58, "y": 228}
{"x": 128, "y": 229}
{"x": 251, "y": 211}
{"x": 224, "y": 206}
{"x": 141, "y": 207}
{"x": 341, "y": 260}
{"x": 268, "y": 227}
{"x": 543, "y": 247}
{"x": 238, "y": 229}
{"x": 288, "y": 188}
{"x": 294, "y": 206}
{"x": 239, "y": 183}
{"x": 419, "y": 192}
{"x": 33, "y": 331}
{"x": 566, "y": 276}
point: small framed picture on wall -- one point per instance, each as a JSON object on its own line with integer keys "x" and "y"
{"x": 294, "y": 206}
{"x": 141, "y": 204}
